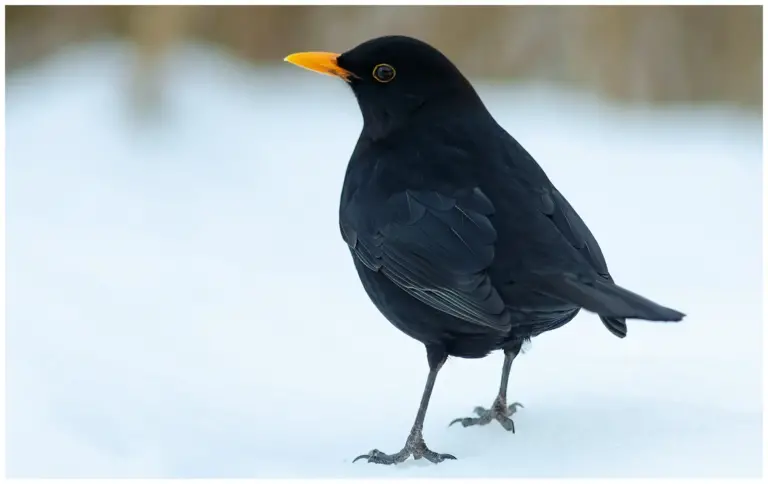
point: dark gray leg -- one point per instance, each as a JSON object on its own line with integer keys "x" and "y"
{"x": 499, "y": 411}
{"x": 414, "y": 444}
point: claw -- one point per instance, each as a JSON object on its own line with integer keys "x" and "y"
{"x": 507, "y": 423}
{"x": 436, "y": 458}
{"x": 498, "y": 412}
{"x": 364, "y": 456}
{"x": 460, "y": 419}
{"x": 378, "y": 457}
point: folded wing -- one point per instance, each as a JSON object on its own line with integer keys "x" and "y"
{"x": 438, "y": 248}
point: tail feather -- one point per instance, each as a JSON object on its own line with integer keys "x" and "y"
{"x": 620, "y": 302}
{"x": 617, "y": 326}
{"x": 611, "y": 302}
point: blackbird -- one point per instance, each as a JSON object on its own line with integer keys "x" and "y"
{"x": 458, "y": 236}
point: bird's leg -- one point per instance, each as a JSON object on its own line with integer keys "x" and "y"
{"x": 499, "y": 411}
{"x": 414, "y": 444}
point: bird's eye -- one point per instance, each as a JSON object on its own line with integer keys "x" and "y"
{"x": 383, "y": 72}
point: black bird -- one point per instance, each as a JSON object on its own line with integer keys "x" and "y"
{"x": 458, "y": 236}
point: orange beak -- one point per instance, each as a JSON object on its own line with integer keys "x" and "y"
{"x": 322, "y": 62}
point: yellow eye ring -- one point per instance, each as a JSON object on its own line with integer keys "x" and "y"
{"x": 384, "y": 73}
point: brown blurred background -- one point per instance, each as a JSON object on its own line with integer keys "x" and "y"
{"x": 632, "y": 53}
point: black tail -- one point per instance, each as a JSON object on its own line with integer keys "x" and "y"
{"x": 613, "y": 303}
{"x": 617, "y": 326}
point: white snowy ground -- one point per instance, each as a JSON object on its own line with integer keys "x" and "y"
{"x": 180, "y": 302}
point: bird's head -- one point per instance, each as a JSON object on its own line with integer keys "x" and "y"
{"x": 393, "y": 79}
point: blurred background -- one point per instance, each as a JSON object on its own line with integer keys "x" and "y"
{"x": 631, "y": 53}
{"x": 180, "y": 302}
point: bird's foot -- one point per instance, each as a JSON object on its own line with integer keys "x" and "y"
{"x": 499, "y": 411}
{"x": 414, "y": 446}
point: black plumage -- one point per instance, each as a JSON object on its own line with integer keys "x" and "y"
{"x": 458, "y": 236}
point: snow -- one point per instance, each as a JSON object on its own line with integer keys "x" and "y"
{"x": 181, "y": 304}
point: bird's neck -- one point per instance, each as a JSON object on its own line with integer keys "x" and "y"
{"x": 381, "y": 123}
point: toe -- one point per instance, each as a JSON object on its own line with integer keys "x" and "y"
{"x": 436, "y": 458}
{"x": 480, "y": 411}
{"x": 375, "y": 456}
{"x": 465, "y": 421}
{"x": 507, "y": 423}
{"x": 365, "y": 456}
{"x": 513, "y": 408}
